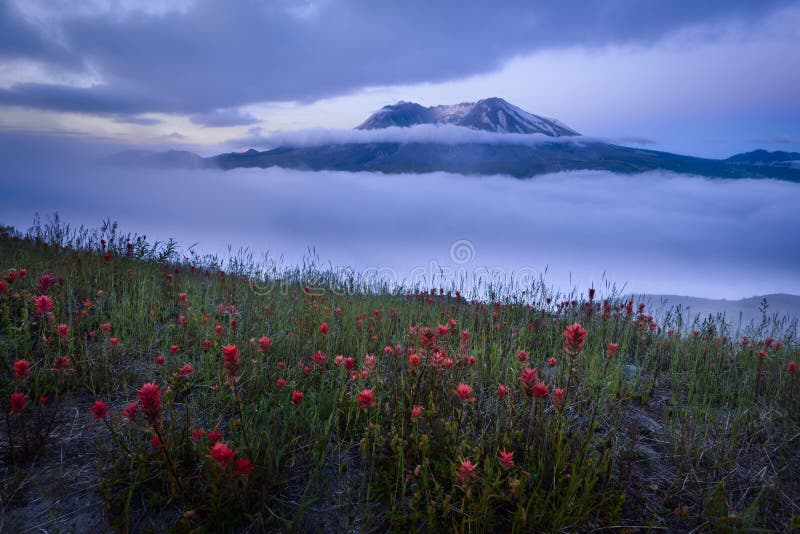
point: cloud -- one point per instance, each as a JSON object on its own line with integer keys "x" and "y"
{"x": 224, "y": 117}
{"x": 657, "y": 232}
{"x": 780, "y": 139}
{"x": 208, "y": 55}
{"x": 445, "y": 134}
{"x": 133, "y": 119}
{"x": 635, "y": 140}
{"x": 174, "y": 136}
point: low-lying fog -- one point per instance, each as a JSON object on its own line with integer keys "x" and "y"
{"x": 654, "y": 232}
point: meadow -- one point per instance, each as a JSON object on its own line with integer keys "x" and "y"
{"x": 206, "y": 396}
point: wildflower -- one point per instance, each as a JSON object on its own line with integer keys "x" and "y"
{"x": 99, "y": 410}
{"x": 502, "y": 391}
{"x": 186, "y": 371}
{"x": 160, "y": 359}
{"x": 182, "y": 299}
{"x": 762, "y": 354}
{"x": 523, "y": 355}
{"x": 197, "y": 434}
{"x": 612, "y": 350}
{"x": 214, "y": 436}
{"x": 114, "y": 341}
{"x": 131, "y": 410}
{"x": 105, "y": 327}
{"x": 221, "y": 453}
{"x": 280, "y": 383}
{"x": 173, "y": 349}
{"x": 150, "y": 399}
{"x": 466, "y": 473}
{"x": 155, "y": 442}
{"x": 366, "y": 399}
{"x": 551, "y": 362}
{"x": 22, "y": 369}
{"x": 559, "y": 397}
{"x": 591, "y": 293}
{"x": 62, "y": 330}
{"x": 414, "y": 360}
{"x": 18, "y": 401}
{"x": 182, "y": 320}
{"x": 61, "y": 363}
{"x": 243, "y": 467}
{"x": 264, "y": 342}
{"x": 338, "y": 361}
{"x": 529, "y": 378}
{"x": 44, "y": 304}
{"x": 349, "y": 363}
{"x": 506, "y": 459}
{"x": 464, "y": 336}
{"x": 3, "y": 287}
{"x": 297, "y": 398}
{"x": 464, "y": 392}
{"x": 540, "y": 391}
{"x": 207, "y": 343}
{"x": 791, "y": 368}
{"x": 323, "y": 328}
{"x": 442, "y": 330}
{"x": 218, "y": 329}
{"x": 574, "y": 336}
{"x": 230, "y": 354}
{"x": 469, "y": 360}
{"x": 416, "y": 412}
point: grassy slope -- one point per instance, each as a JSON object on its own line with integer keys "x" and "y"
{"x": 674, "y": 432}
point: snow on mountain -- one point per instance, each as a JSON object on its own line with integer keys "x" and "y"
{"x": 490, "y": 114}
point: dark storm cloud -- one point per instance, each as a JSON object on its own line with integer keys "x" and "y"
{"x": 226, "y": 54}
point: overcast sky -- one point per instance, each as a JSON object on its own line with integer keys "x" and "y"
{"x": 707, "y": 78}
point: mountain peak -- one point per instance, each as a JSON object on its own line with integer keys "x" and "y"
{"x": 491, "y": 114}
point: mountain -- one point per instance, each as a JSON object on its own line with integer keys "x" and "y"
{"x": 778, "y": 158}
{"x": 555, "y": 148}
{"x": 491, "y": 114}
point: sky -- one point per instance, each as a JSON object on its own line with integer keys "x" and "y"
{"x": 708, "y": 78}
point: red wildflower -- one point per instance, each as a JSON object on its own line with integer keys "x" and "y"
{"x": 551, "y": 362}
{"x": 207, "y": 343}
{"x": 3, "y": 287}
{"x": 464, "y": 392}
{"x": 464, "y": 336}
{"x": 174, "y": 349}
{"x": 155, "y": 442}
{"x": 62, "y": 330}
{"x": 18, "y": 401}
{"x": 323, "y": 328}
{"x": 338, "y": 361}
{"x": 442, "y": 330}
{"x": 280, "y": 383}
{"x": 186, "y": 371}
{"x": 574, "y": 336}
{"x": 61, "y": 363}
{"x": 502, "y": 391}
{"x": 22, "y": 272}
{"x": 214, "y": 436}
{"x": 264, "y": 342}
{"x": 612, "y": 350}
{"x": 506, "y": 459}
{"x": 150, "y": 399}
{"x": 243, "y": 467}
{"x": 349, "y": 363}
{"x": 591, "y": 293}
{"x": 762, "y": 354}
{"x": 791, "y": 368}
{"x": 99, "y": 410}
{"x": 221, "y": 453}
{"x": 416, "y": 412}
{"x": 218, "y": 329}
{"x": 182, "y": 299}
{"x": 523, "y": 355}
{"x": 529, "y": 378}
{"x": 297, "y": 397}
{"x": 230, "y": 354}
{"x": 131, "y": 410}
{"x": 366, "y": 399}
{"x": 414, "y": 360}
{"x": 466, "y": 473}
{"x": 44, "y": 304}
{"x": 105, "y": 327}
{"x": 540, "y": 391}
{"x": 197, "y": 434}
{"x": 114, "y": 341}
{"x": 559, "y": 398}
{"x": 22, "y": 369}
{"x": 160, "y": 359}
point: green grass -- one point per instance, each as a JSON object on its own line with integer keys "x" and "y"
{"x": 684, "y": 428}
